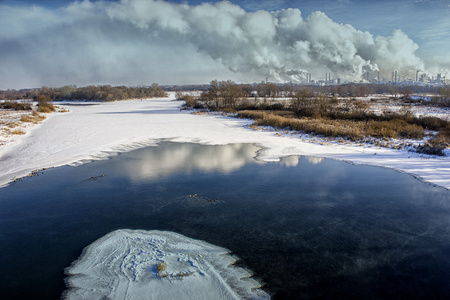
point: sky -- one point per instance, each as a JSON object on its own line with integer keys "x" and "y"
{"x": 140, "y": 42}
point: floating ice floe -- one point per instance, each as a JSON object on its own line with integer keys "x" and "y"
{"x": 137, "y": 264}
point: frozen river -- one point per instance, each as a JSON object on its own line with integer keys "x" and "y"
{"x": 305, "y": 227}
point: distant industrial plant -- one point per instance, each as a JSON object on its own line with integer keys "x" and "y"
{"x": 421, "y": 78}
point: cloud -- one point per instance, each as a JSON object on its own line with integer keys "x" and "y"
{"x": 143, "y": 41}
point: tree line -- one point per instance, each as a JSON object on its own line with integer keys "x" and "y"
{"x": 225, "y": 93}
{"x": 229, "y": 95}
{"x": 90, "y": 93}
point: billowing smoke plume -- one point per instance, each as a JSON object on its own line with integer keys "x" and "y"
{"x": 133, "y": 41}
{"x": 279, "y": 44}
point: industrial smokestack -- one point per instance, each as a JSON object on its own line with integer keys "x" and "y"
{"x": 395, "y": 76}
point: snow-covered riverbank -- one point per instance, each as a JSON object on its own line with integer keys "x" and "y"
{"x": 103, "y": 129}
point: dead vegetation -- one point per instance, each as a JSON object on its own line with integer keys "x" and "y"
{"x": 15, "y": 122}
{"x": 354, "y": 130}
{"x": 17, "y": 131}
{"x": 14, "y": 105}
{"x": 34, "y": 118}
{"x": 161, "y": 267}
{"x": 311, "y": 111}
{"x": 358, "y": 128}
{"x": 45, "y": 104}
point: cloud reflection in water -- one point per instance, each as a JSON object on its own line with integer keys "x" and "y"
{"x": 186, "y": 158}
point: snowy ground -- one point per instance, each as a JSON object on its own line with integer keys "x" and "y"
{"x": 97, "y": 131}
{"x": 9, "y": 122}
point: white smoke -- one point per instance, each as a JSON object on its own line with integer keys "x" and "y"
{"x": 136, "y": 41}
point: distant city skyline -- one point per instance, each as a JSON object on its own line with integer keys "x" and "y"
{"x": 137, "y": 42}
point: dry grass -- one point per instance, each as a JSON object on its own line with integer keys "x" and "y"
{"x": 354, "y": 130}
{"x": 182, "y": 275}
{"x": 160, "y": 268}
{"x": 46, "y": 109}
{"x": 61, "y": 109}
{"x": 27, "y": 118}
{"x": 12, "y": 124}
{"x": 200, "y": 113}
{"x": 34, "y": 118}
{"x": 17, "y": 131}
{"x": 251, "y": 114}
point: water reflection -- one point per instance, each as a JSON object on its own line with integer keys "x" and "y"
{"x": 314, "y": 160}
{"x": 290, "y": 161}
{"x": 294, "y": 160}
{"x": 172, "y": 158}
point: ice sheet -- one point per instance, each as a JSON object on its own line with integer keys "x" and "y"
{"x": 137, "y": 264}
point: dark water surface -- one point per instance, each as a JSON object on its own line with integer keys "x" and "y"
{"x": 308, "y": 228}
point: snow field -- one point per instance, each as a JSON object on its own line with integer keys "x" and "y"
{"x": 99, "y": 131}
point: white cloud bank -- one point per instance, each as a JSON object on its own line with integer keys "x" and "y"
{"x": 137, "y": 42}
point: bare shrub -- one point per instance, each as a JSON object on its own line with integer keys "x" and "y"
{"x": 444, "y": 133}
{"x": 179, "y": 95}
{"x": 223, "y": 94}
{"x": 190, "y": 100}
{"x": 15, "y": 105}
{"x": 434, "y": 146}
{"x": 431, "y": 123}
{"x": 45, "y": 104}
